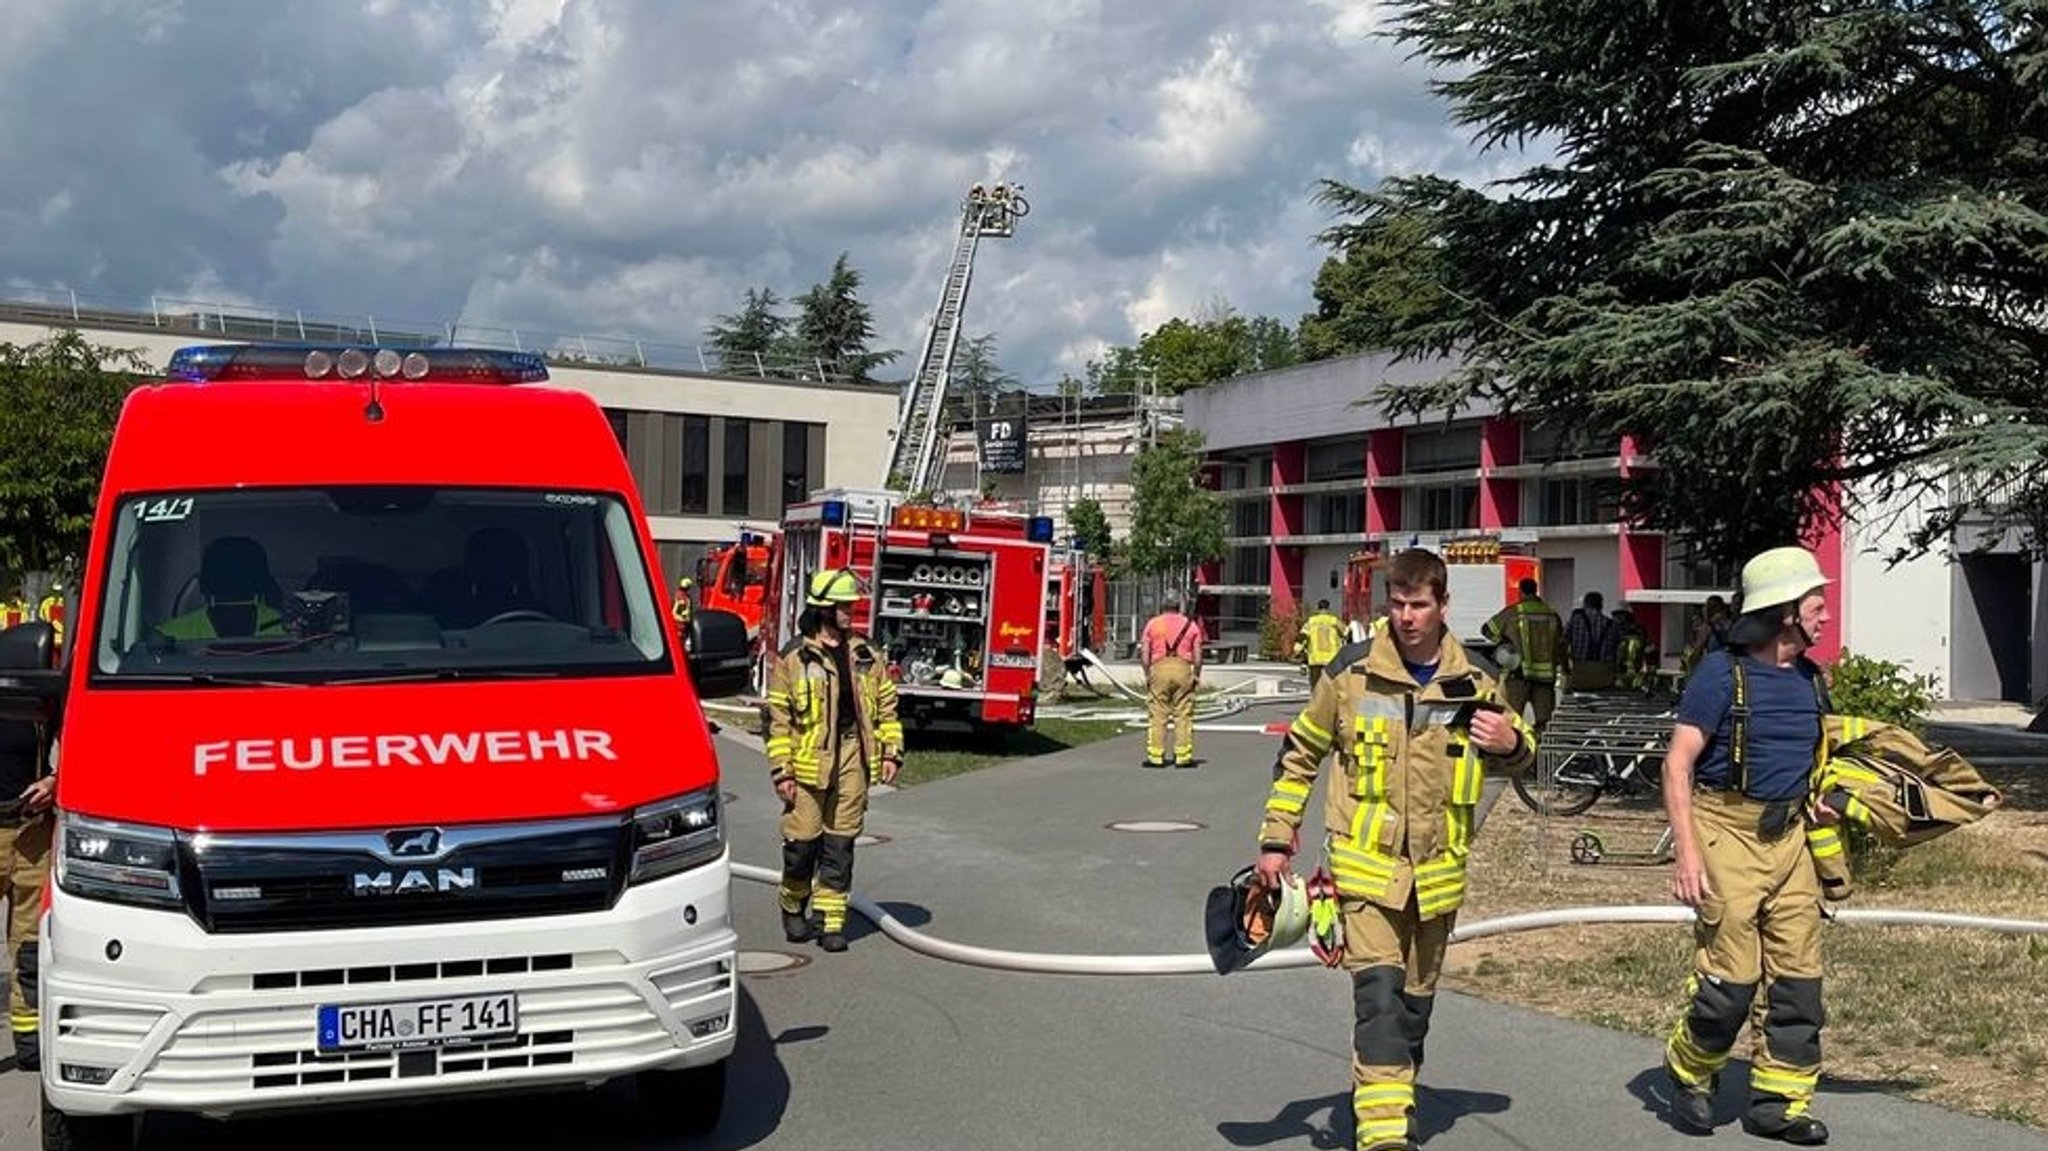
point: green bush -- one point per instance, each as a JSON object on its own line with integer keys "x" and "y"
{"x": 1277, "y": 633}
{"x": 1882, "y": 690}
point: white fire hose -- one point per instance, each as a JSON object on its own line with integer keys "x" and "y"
{"x": 1199, "y": 963}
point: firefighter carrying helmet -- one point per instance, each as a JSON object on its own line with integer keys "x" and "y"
{"x": 833, "y": 586}
{"x": 1780, "y": 576}
{"x": 1243, "y": 920}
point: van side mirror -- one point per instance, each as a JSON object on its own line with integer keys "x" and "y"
{"x": 31, "y": 686}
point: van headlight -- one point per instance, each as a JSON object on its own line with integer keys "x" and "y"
{"x": 117, "y": 862}
{"x": 675, "y": 835}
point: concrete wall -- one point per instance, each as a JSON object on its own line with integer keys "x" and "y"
{"x": 1901, "y": 613}
{"x": 1311, "y": 401}
{"x": 1587, "y": 565}
{"x": 1318, "y": 564}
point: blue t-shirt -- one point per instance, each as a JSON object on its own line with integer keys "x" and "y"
{"x": 1784, "y": 723}
{"x": 1423, "y": 672}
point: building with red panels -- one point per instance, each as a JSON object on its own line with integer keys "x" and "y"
{"x": 1312, "y": 470}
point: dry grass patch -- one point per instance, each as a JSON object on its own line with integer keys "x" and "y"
{"x": 1950, "y": 1017}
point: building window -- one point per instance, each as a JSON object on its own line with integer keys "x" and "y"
{"x": 1344, "y": 460}
{"x": 1561, "y": 503}
{"x": 738, "y": 438}
{"x": 1544, "y": 445}
{"x": 796, "y": 464}
{"x": 617, "y": 420}
{"x": 1251, "y": 517}
{"x": 1445, "y": 507}
{"x": 1689, "y": 570}
{"x": 1449, "y": 450}
{"x": 1342, "y": 514}
{"x": 696, "y": 465}
{"x": 1249, "y": 566}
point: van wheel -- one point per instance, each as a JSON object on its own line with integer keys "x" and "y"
{"x": 63, "y": 1132}
{"x": 685, "y": 1102}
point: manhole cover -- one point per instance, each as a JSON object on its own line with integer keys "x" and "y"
{"x": 769, "y": 962}
{"x": 870, "y": 840}
{"x": 1155, "y": 825}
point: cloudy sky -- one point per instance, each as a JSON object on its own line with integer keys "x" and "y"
{"x": 629, "y": 166}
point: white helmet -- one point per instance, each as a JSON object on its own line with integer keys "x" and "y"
{"x": 1243, "y": 920}
{"x": 1780, "y": 576}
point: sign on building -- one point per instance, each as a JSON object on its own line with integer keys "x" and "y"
{"x": 1003, "y": 435}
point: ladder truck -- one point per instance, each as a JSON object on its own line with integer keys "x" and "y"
{"x": 919, "y": 451}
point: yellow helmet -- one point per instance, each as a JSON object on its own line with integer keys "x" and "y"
{"x": 684, "y": 582}
{"x": 833, "y": 586}
{"x": 1780, "y": 576}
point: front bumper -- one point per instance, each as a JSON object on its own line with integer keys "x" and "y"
{"x": 179, "y": 1020}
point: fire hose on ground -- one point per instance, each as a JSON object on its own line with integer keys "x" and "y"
{"x": 1199, "y": 963}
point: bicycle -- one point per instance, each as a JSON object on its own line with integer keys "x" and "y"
{"x": 1597, "y": 746}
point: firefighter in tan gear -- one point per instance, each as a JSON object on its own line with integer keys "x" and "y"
{"x": 1171, "y": 649}
{"x": 832, "y": 729}
{"x": 682, "y": 610}
{"x": 1737, "y": 781}
{"x": 1322, "y": 634}
{"x": 28, "y": 785}
{"x": 1415, "y": 724}
{"x": 1534, "y": 631}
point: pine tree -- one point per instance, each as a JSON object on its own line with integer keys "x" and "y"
{"x": 1796, "y": 248}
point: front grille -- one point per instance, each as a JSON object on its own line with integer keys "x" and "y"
{"x": 296, "y": 883}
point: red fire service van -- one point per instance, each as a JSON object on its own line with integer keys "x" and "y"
{"x": 381, "y": 775}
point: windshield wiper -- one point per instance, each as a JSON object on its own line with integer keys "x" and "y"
{"x": 443, "y": 673}
{"x": 210, "y": 679}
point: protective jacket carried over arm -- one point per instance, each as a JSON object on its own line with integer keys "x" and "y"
{"x": 1893, "y": 784}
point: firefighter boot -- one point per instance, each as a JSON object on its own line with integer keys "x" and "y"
{"x": 797, "y": 928}
{"x": 1778, "y": 1119}
{"x": 1692, "y": 1108}
{"x": 28, "y": 1051}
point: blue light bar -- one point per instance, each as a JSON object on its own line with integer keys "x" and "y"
{"x": 832, "y": 512}
{"x": 215, "y": 362}
{"x": 1040, "y": 530}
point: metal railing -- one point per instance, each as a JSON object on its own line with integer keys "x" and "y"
{"x": 263, "y": 323}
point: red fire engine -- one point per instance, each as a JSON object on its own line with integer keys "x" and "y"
{"x": 733, "y": 577}
{"x": 1484, "y": 569}
{"x": 1076, "y": 604}
{"x": 955, "y": 598}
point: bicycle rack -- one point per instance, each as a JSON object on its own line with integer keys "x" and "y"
{"x": 1618, "y": 736}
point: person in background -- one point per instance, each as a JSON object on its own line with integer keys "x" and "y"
{"x": 1171, "y": 649}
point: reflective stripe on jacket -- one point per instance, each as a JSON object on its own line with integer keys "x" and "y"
{"x": 1400, "y": 816}
{"x": 1536, "y": 633}
{"x": 1322, "y": 634}
{"x": 802, "y": 707}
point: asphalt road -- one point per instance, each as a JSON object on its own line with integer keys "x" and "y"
{"x": 881, "y": 1048}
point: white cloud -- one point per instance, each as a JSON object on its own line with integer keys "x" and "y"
{"x": 610, "y": 166}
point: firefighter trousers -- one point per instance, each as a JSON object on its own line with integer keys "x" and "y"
{"x": 818, "y": 831}
{"x": 1760, "y": 932}
{"x": 26, "y": 849}
{"x": 1540, "y": 694}
{"x": 1394, "y": 958}
{"x": 1170, "y": 693}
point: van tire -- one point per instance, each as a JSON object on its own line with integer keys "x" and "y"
{"x": 63, "y": 1132}
{"x": 685, "y": 1102}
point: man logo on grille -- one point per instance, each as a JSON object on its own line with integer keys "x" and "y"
{"x": 425, "y": 841}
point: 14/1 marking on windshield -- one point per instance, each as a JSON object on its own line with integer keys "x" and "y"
{"x": 164, "y": 511}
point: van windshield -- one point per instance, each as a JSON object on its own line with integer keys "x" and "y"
{"x": 343, "y": 584}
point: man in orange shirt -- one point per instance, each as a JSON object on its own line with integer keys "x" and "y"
{"x": 1172, "y": 651}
